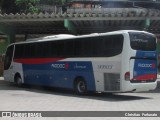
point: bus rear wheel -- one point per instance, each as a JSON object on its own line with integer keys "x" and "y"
{"x": 80, "y": 86}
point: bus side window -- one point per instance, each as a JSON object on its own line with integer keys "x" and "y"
{"x": 60, "y": 48}
{"x": 19, "y": 51}
{"x": 32, "y": 50}
{"x": 97, "y": 47}
{"x": 112, "y": 45}
{"x": 78, "y": 47}
{"x": 39, "y": 50}
{"x": 88, "y": 47}
{"x": 47, "y": 50}
{"x": 69, "y": 47}
{"x": 53, "y": 49}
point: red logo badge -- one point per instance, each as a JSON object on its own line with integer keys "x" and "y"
{"x": 66, "y": 66}
{"x": 153, "y": 65}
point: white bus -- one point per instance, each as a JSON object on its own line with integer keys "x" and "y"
{"x": 119, "y": 61}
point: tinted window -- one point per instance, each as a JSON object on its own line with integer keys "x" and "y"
{"x": 53, "y": 49}
{"x": 8, "y": 57}
{"x": 78, "y": 48}
{"x": 101, "y": 46}
{"x": 69, "y": 48}
{"x": 112, "y": 45}
{"x": 19, "y": 51}
{"x": 40, "y": 49}
{"x": 142, "y": 41}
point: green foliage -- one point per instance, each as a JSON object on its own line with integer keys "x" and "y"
{"x": 33, "y": 9}
{"x": 22, "y": 2}
{"x": 28, "y": 5}
{"x": 3, "y": 45}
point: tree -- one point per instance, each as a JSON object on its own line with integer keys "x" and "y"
{"x": 28, "y": 5}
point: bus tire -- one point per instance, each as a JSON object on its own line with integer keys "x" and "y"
{"x": 18, "y": 80}
{"x": 80, "y": 86}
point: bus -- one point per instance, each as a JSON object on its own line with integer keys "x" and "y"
{"x": 118, "y": 61}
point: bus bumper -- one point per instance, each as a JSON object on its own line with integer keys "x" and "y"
{"x": 139, "y": 87}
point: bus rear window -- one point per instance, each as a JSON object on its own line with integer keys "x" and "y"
{"x": 142, "y": 41}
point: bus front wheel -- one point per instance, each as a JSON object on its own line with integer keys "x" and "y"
{"x": 18, "y": 80}
{"x": 80, "y": 86}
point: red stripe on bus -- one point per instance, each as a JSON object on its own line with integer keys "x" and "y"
{"x": 37, "y": 60}
{"x": 146, "y": 77}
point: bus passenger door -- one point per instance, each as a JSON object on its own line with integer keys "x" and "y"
{"x": 8, "y": 74}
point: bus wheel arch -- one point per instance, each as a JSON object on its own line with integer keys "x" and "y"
{"x": 80, "y": 85}
{"x": 18, "y": 79}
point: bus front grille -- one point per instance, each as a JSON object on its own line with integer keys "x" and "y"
{"x": 111, "y": 81}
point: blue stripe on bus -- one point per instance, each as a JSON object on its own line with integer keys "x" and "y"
{"x": 59, "y": 74}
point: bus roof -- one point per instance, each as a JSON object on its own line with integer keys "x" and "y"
{"x": 51, "y": 37}
{"x": 67, "y": 36}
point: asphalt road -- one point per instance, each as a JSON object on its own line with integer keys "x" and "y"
{"x": 33, "y": 98}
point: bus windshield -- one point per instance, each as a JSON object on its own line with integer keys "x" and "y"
{"x": 142, "y": 41}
